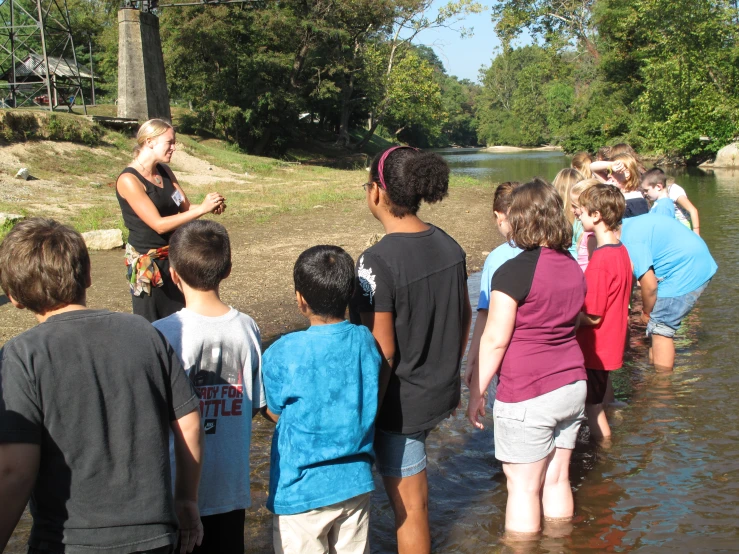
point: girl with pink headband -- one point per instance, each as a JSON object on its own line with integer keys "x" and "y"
{"x": 411, "y": 292}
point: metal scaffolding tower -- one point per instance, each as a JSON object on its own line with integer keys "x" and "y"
{"x": 38, "y": 63}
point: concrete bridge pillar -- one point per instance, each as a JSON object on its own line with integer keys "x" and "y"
{"x": 142, "y": 85}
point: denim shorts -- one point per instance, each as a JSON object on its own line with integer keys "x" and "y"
{"x": 528, "y": 431}
{"x": 668, "y": 313}
{"x": 398, "y": 455}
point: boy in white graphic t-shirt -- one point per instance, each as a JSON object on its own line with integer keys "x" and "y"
{"x": 220, "y": 349}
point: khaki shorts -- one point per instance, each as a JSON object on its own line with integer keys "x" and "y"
{"x": 339, "y": 528}
{"x": 528, "y": 431}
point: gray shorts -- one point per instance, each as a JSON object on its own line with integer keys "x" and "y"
{"x": 528, "y": 431}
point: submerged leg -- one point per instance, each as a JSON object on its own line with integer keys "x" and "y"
{"x": 409, "y": 498}
{"x": 523, "y": 508}
{"x": 557, "y": 502}
{"x": 663, "y": 353}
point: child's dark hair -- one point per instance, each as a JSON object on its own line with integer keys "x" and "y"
{"x": 324, "y": 276}
{"x": 603, "y": 153}
{"x": 502, "y": 198}
{"x": 653, "y": 177}
{"x": 608, "y": 201}
{"x": 200, "y": 252}
{"x": 409, "y": 176}
{"x": 44, "y": 265}
{"x": 537, "y": 217}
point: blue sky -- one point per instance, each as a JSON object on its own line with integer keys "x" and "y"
{"x": 463, "y": 57}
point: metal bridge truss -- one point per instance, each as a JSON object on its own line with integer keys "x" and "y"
{"x": 38, "y": 63}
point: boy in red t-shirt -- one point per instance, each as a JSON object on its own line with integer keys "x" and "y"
{"x": 604, "y": 317}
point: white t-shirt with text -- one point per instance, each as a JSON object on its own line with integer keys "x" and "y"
{"x": 222, "y": 357}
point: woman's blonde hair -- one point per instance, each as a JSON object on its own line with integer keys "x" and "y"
{"x": 581, "y": 186}
{"x": 625, "y": 148}
{"x": 634, "y": 180}
{"x": 537, "y": 217}
{"x": 150, "y": 130}
{"x": 563, "y": 183}
{"x": 581, "y": 161}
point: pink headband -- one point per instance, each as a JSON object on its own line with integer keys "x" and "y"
{"x": 381, "y": 165}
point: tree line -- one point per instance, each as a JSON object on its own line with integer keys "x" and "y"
{"x": 267, "y": 74}
{"x": 662, "y": 75}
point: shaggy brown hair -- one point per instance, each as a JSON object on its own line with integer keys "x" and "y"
{"x": 502, "y": 198}
{"x": 608, "y": 201}
{"x": 537, "y": 217}
{"x": 44, "y": 265}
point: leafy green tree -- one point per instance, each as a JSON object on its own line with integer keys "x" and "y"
{"x": 559, "y": 22}
{"x": 386, "y": 70}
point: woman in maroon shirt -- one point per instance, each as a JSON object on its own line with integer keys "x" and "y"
{"x": 529, "y": 341}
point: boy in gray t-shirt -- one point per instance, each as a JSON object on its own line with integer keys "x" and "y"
{"x": 86, "y": 399}
{"x": 220, "y": 349}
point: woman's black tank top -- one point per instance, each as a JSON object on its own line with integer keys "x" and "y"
{"x": 141, "y": 236}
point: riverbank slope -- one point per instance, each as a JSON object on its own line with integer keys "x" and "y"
{"x": 275, "y": 211}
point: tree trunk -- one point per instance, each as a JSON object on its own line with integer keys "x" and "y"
{"x": 344, "y": 139}
{"x": 368, "y": 137}
{"x": 263, "y": 142}
{"x": 299, "y": 61}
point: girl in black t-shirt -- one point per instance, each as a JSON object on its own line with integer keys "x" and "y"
{"x": 412, "y": 294}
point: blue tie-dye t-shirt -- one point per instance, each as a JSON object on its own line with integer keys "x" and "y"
{"x": 322, "y": 382}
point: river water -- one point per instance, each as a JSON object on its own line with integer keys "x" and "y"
{"x": 670, "y": 480}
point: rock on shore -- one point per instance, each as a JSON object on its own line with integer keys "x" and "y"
{"x": 106, "y": 239}
{"x": 728, "y": 156}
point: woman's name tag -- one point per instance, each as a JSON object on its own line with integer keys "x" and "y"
{"x": 178, "y": 198}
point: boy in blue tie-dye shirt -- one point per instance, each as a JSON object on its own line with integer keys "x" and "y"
{"x": 321, "y": 386}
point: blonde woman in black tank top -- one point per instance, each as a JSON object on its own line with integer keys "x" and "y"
{"x": 153, "y": 206}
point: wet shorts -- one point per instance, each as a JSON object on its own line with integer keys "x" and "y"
{"x": 528, "y": 431}
{"x": 668, "y": 313}
{"x": 399, "y": 455}
{"x": 597, "y": 385}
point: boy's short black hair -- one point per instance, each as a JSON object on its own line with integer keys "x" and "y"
{"x": 44, "y": 265}
{"x": 324, "y": 276}
{"x": 653, "y": 177}
{"x": 200, "y": 252}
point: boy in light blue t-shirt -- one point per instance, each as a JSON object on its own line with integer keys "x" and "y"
{"x": 321, "y": 386}
{"x": 654, "y": 188}
{"x": 503, "y": 253}
{"x": 674, "y": 267}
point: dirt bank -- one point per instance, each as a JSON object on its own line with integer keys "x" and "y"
{"x": 264, "y": 253}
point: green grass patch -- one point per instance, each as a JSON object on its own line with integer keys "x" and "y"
{"x": 22, "y": 125}
{"x": 464, "y": 181}
{"x": 223, "y": 154}
{"x": 94, "y": 219}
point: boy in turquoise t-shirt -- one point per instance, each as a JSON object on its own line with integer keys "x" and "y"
{"x": 321, "y": 386}
{"x": 654, "y": 188}
{"x": 674, "y": 267}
